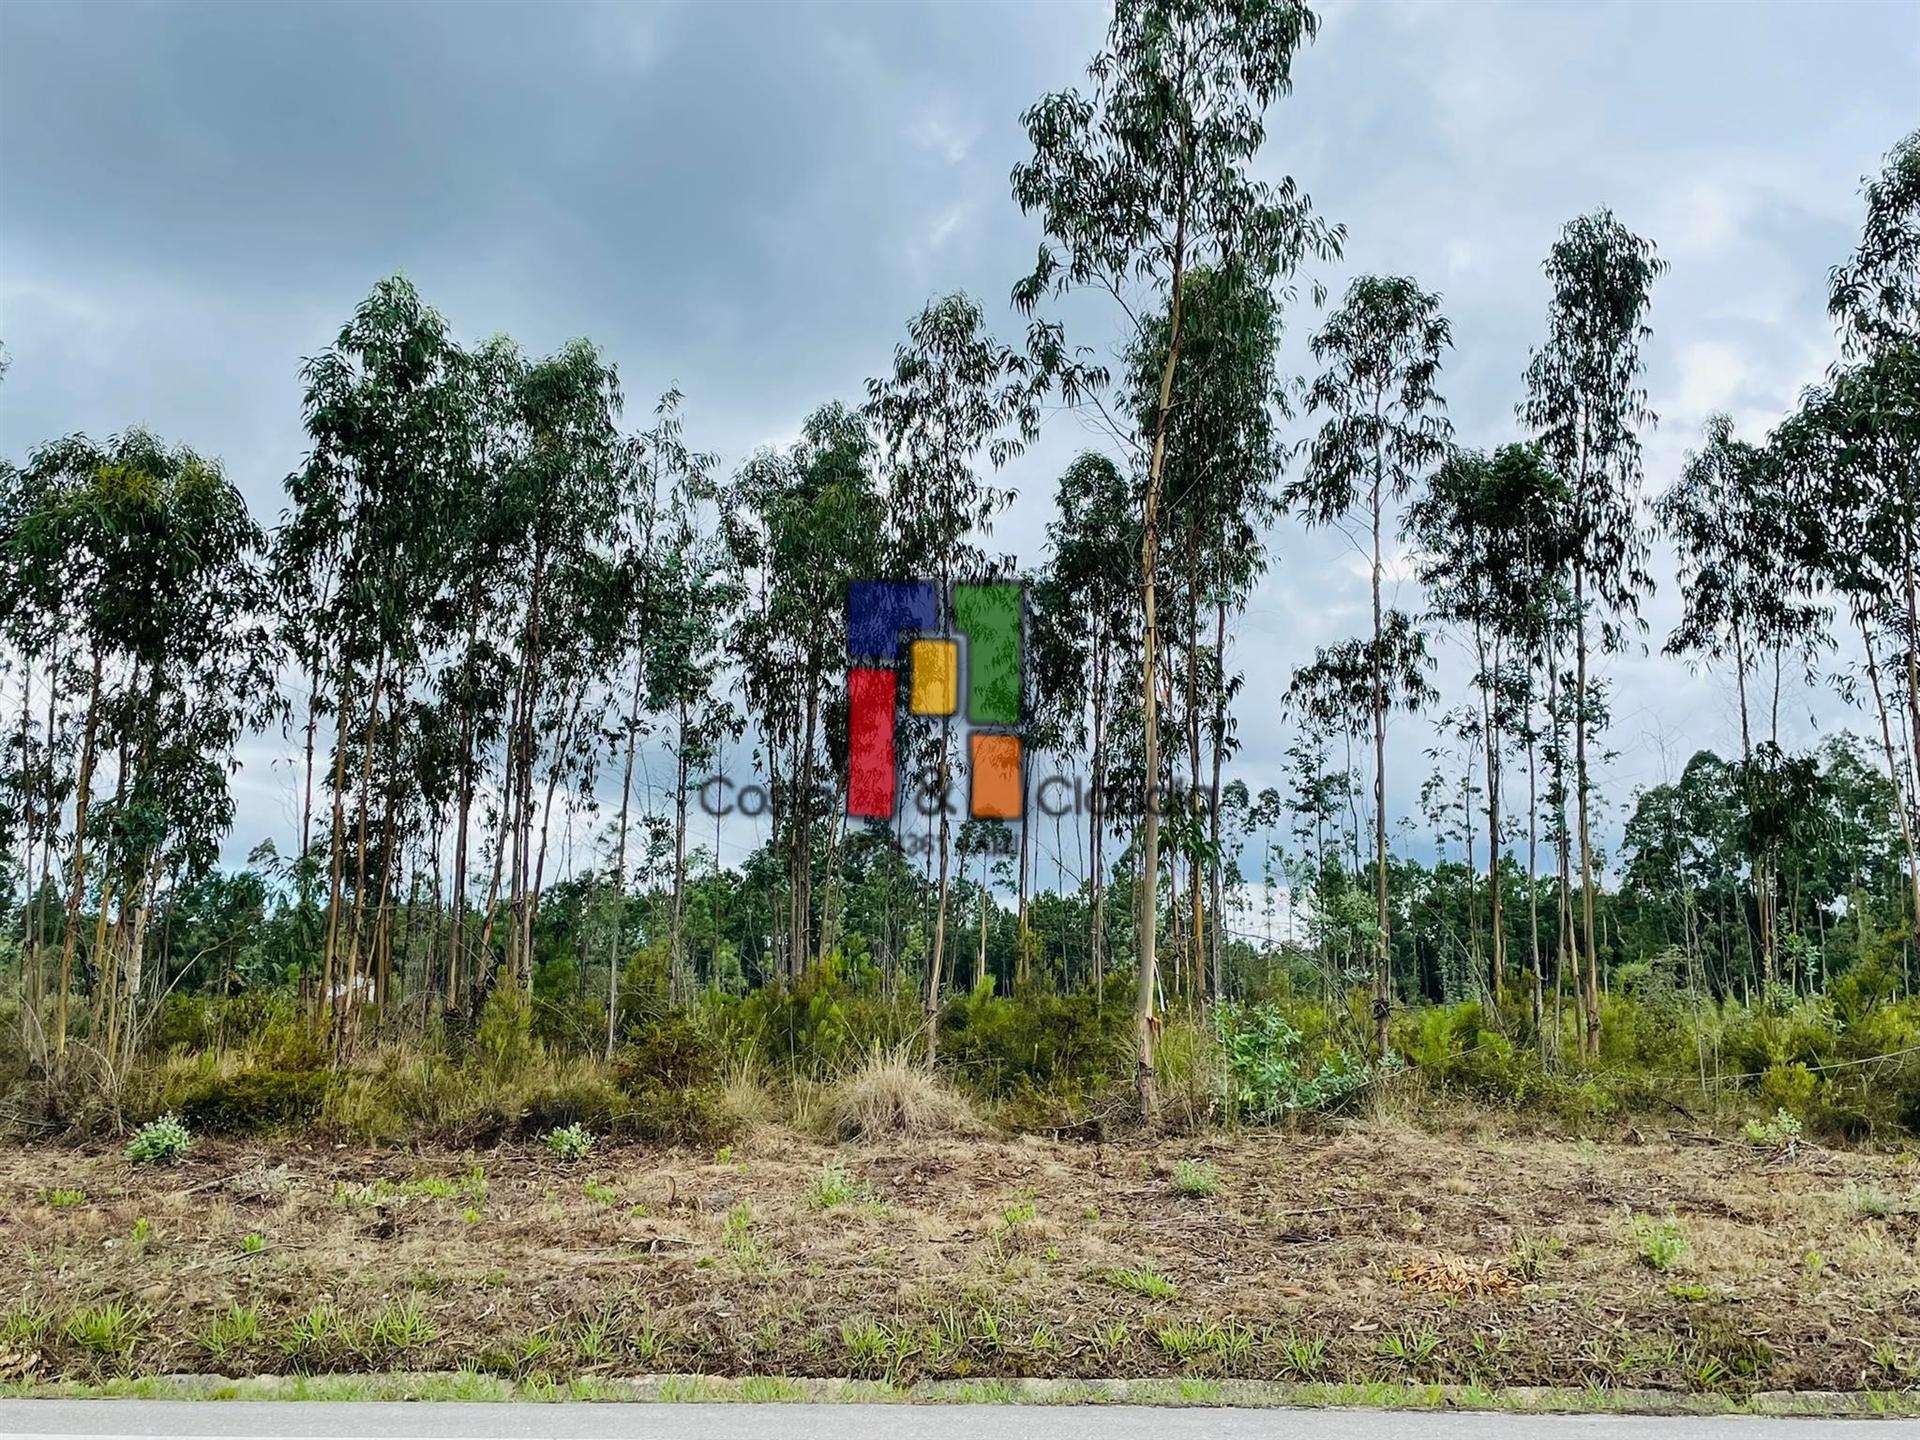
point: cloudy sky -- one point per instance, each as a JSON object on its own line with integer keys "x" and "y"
{"x": 749, "y": 200}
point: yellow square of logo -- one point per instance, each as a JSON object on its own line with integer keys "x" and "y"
{"x": 936, "y": 677}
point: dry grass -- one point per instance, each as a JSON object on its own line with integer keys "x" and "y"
{"x": 1491, "y": 1259}
{"x": 890, "y": 1094}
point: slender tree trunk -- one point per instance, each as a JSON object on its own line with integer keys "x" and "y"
{"x": 616, "y": 931}
{"x": 1146, "y": 1024}
{"x": 1592, "y": 1043}
{"x": 77, "y": 864}
{"x": 1383, "y": 963}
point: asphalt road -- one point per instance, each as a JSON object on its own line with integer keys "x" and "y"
{"x": 439, "y": 1420}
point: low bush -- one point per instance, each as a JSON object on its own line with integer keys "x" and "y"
{"x": 250, "y": 1101}
{"x": 570, "y": 1142}
{"x": 159, "y": 1142}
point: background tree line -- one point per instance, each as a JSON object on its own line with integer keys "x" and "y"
{"x": 488, "y": 605}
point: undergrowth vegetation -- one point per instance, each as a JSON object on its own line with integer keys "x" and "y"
{"x": 836, "y": 1055}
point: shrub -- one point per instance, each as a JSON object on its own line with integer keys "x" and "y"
{"x": 1196, "y": 1179}
{"x": 1781, "y": 1129}
{"x": 571, "y": 1142}
{"x": 1662, "y": 1244}
{"x": 1869, "y": 1201}
{"x": 1068, "y": 1047}
{"x": 159, "y": 1141}
{"x": 250, "y": 1101}
{"x": 1269, "y": 1071}
{"x": 889, "y": 1094}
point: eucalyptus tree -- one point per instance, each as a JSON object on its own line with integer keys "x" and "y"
{"x": 1488, "y": 556}
{"x": 1585, "y": 405}
{"x": 1733, "y": 522}
{"x": 391, "y": 424}
{"x": 800, "y": 524}
{"x": 1874, "y": 297}
{"x": 1221, "y": 479}
{"x": 558, "y": 499}
{"x": 1137, "y": 183}
{"x": 660, "y": 476}
{"x": 157, "y": 563}
{"x": 1385, "y": 428}
{"x": 695, "y": 595}
{"x": 955, "y": 394}
{"x": 1086, "y": 616}
{"x": 1852, "y": 454}
{"x": 1349, "y": 688}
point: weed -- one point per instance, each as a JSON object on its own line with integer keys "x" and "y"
{"x": 405, "y": 1326}
{"x": 1532, "y": 1253}
{"x": 252, "y": 1243}
{"x": 1021, "y": 1212}
{"x": 1142, "y": 1281}
{"x": 864, "y": 1342}
{"x": 1869, "y": 1202}
{"x": 470, "y": 1215}
{"x": 237, "y": 1327}
{"x": 1782, "y": 1129}
{"x": 64, "y": 1199}
{"x": 322, "y": 1334}
{"x": 159, "y": 1142}
{"x": 1661, "y": 1244}
{"x": 592, "y": 1342}
{"x": 25, "y": 1323}
{"x": 571, "y": 1143}
{"x": 833, "y": 1187}
{"x": 1412, "y": 1348}
{"x": 110, "y": 1328}
{"x": 142, "y": 1231}
{"x": 600, "y": 1194}
{"x": 1692, "y": 1293}
{"x": 1196, "y": 1179}
{"x": 1303, "y": 1357}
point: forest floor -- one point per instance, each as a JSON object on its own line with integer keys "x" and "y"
{"x": 1368, "y": 1253}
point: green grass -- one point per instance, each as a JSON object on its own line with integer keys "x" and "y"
{"x": 1142, "y": 1281}
{"x": 110, "y": 1328}
{"x": 470, "y": 1385}
{"x": 64, "y": 1199}
{"x": 833, "y": 1188}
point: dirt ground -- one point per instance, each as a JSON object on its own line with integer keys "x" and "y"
{"x": 1377, "y": 1252}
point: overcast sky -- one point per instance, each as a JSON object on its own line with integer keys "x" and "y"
{"x": 750, "y": 200}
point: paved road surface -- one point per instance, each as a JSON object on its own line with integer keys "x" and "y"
{"x": 440, "y": 1420}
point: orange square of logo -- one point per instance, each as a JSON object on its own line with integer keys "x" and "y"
{"x": 996, "y": 777}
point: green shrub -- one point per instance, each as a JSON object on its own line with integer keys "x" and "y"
{"x": 1782, "y": 1128}
{"x": 571, "y": 1142}
{"x": 1270, "y": 1073}
{"x": 159, "y": 1141}
{"x": 1196, "y": 1179}
{"x": 1661, "y": 1244}
{"x": 1067, "y": 1047}
{"x": 250, "y": 1101}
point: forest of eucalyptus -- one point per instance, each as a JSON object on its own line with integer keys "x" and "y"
{"x": 506, "y": 635}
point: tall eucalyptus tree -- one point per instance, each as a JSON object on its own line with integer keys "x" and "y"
{"x": 1733, "y": 522}
{"x": 955, "y": 394}
{"x": 1585, "y": 405}
{"x": 1137, "y": 183}
{"x": 1385, "y": 427}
